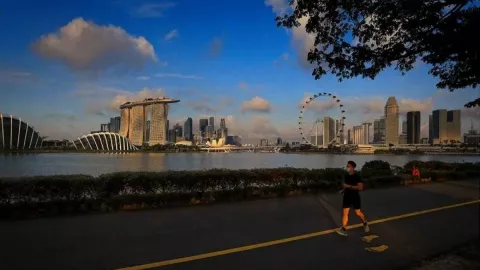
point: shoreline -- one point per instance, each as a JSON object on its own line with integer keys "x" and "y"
{"x": 234, "y": 152}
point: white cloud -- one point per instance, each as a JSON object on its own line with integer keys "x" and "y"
{"x": 143, "y": 78}
{"x": 177, "y": 76}
{"x": 256, "y": 104}
{"x": 171, "y": 35}
{"x": 87, "y": 47}
{"x": 302, "y": 41}
{"x": 153, "y": 10}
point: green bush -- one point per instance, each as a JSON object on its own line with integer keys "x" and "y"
{"x": 69, "y": 194}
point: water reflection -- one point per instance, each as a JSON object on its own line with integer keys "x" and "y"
{"x": 12, "y": 165}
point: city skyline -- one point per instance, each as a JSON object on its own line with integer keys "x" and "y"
{"x": 255, "y": 84}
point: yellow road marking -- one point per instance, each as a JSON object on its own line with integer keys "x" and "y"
{"x": 285, "y": 240}
{"x": 381, "y": 248}
{"x": 369, "y": 238}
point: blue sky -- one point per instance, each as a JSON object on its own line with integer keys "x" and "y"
{"x": 220, "y": 58}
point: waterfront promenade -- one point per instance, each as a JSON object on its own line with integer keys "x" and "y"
{"x": 407, "y": 224}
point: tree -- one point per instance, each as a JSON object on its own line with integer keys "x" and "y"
{"x": 363, "y": 37}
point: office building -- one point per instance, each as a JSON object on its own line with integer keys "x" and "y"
{"x": 133, "y": 119}
{"x": 446, "y": 126}
{"x": 328, "y": 131}
{"x": 114, "y": 125}
{"x": 366, "y": 133}
{"x": 379, "y": 131}
{"x": 188, "y": 129}
{"x": 413, "y": 127}
{"x": 391, "y": 122}
{"x": 349, "y": 138}
{"x": 178, "y": 132}
{"x": 202, "y": 126}
{"x": 404, "y": 127}
{"x": 104, "y": 128}
{"x": 211, "y": 122}
{"x": 279, "y": 141}
{"x": 263, "y": 142}
{"x": 172, "y": 136}
{"x": 430, "y": 129}
{"x": 454, "y": 126}
{"x": 358, "y": 135}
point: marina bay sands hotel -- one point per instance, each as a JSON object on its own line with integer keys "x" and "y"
{"x": 134, "y": 116}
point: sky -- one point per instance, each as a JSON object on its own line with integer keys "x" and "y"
{"x": 66, "y": 66}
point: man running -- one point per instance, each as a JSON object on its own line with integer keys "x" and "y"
{"x": 351, "y": 198}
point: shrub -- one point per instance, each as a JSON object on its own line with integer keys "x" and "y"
{"x": 68, "y": 194}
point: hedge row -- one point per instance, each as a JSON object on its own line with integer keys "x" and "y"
{"x": 67, "y": 194}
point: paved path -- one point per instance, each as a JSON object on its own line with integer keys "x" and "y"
{"x": 302, "y": 227}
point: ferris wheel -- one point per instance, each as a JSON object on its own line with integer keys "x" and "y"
{"x": 336, "y": 123}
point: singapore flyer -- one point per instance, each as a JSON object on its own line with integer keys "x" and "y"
{"x": 322, "y": 131}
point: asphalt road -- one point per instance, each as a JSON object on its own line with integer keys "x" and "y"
{"x": 137, "y": 239}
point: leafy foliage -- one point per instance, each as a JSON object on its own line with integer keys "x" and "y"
{"x": 392, "y": 33}
{"x": 67, "y": 194}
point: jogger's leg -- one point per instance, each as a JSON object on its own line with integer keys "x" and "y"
{"x": 345, "y": 213}
{"x": 360, "y": 215}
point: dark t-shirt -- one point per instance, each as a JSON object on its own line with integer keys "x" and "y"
{"x": 353, "y": 180}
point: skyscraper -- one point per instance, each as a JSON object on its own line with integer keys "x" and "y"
{"x": 133, "y": 119}
{"x": 223, "y": 123}
{"x": 379, "y": 131}
{"x": 328, "y": 131}
{"x": 114, "y": 125}
{"x": 404, "y": 127}
{"x": 178, "y": 132}
{"x": 430, "y": 129}
{"x": 413, "y": 127}
{"x": 454, "y": 126}
{"x": 211, "y": 122}
{"x": 203, "y": 124}
{"x": 391, "y": 122}
{"x": 188, "y": 129}
{"x": 439, "y": 126}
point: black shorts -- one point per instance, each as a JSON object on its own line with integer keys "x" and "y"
{"x": 350, "y": 201}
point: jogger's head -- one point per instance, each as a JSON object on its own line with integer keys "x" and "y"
{"x": 351, "y": 165}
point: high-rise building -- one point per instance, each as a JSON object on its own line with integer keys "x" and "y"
{"x": 211, "y": 122}
{"x": 178, "y": 131}
{"x": 172, "y": 136}
{"x": 454, "y": 126}
{"x": 279, "y": 141}
{"x": 133, "y": 119}
{"x": 430, "y": 129}
{"x": 349, "y": 138}
{"x": 114, "y": 125}
{"x": 264, "y": 142}
{"x": 404, "y": 127}
{"x": 413, "y": 127}
{"x": 446, "y": 126}
{"x": 366, "y": 133}
{"x": 223, "y": 123}
{"x": 358, "y": 135}
{"x": 203, "y": 124}
{"x": 328, "y": 131}
{"x": 379, "y": 131}
{"x": 104, "y": 128}
{"x": 391, "y": 122}
{"x": 188, "y": 129}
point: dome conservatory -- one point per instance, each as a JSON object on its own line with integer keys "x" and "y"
{"x": 104, "y": 141}
{"x": 16, "y": 134}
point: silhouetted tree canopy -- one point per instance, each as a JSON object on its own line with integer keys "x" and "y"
{"x": 384, "y": 33}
